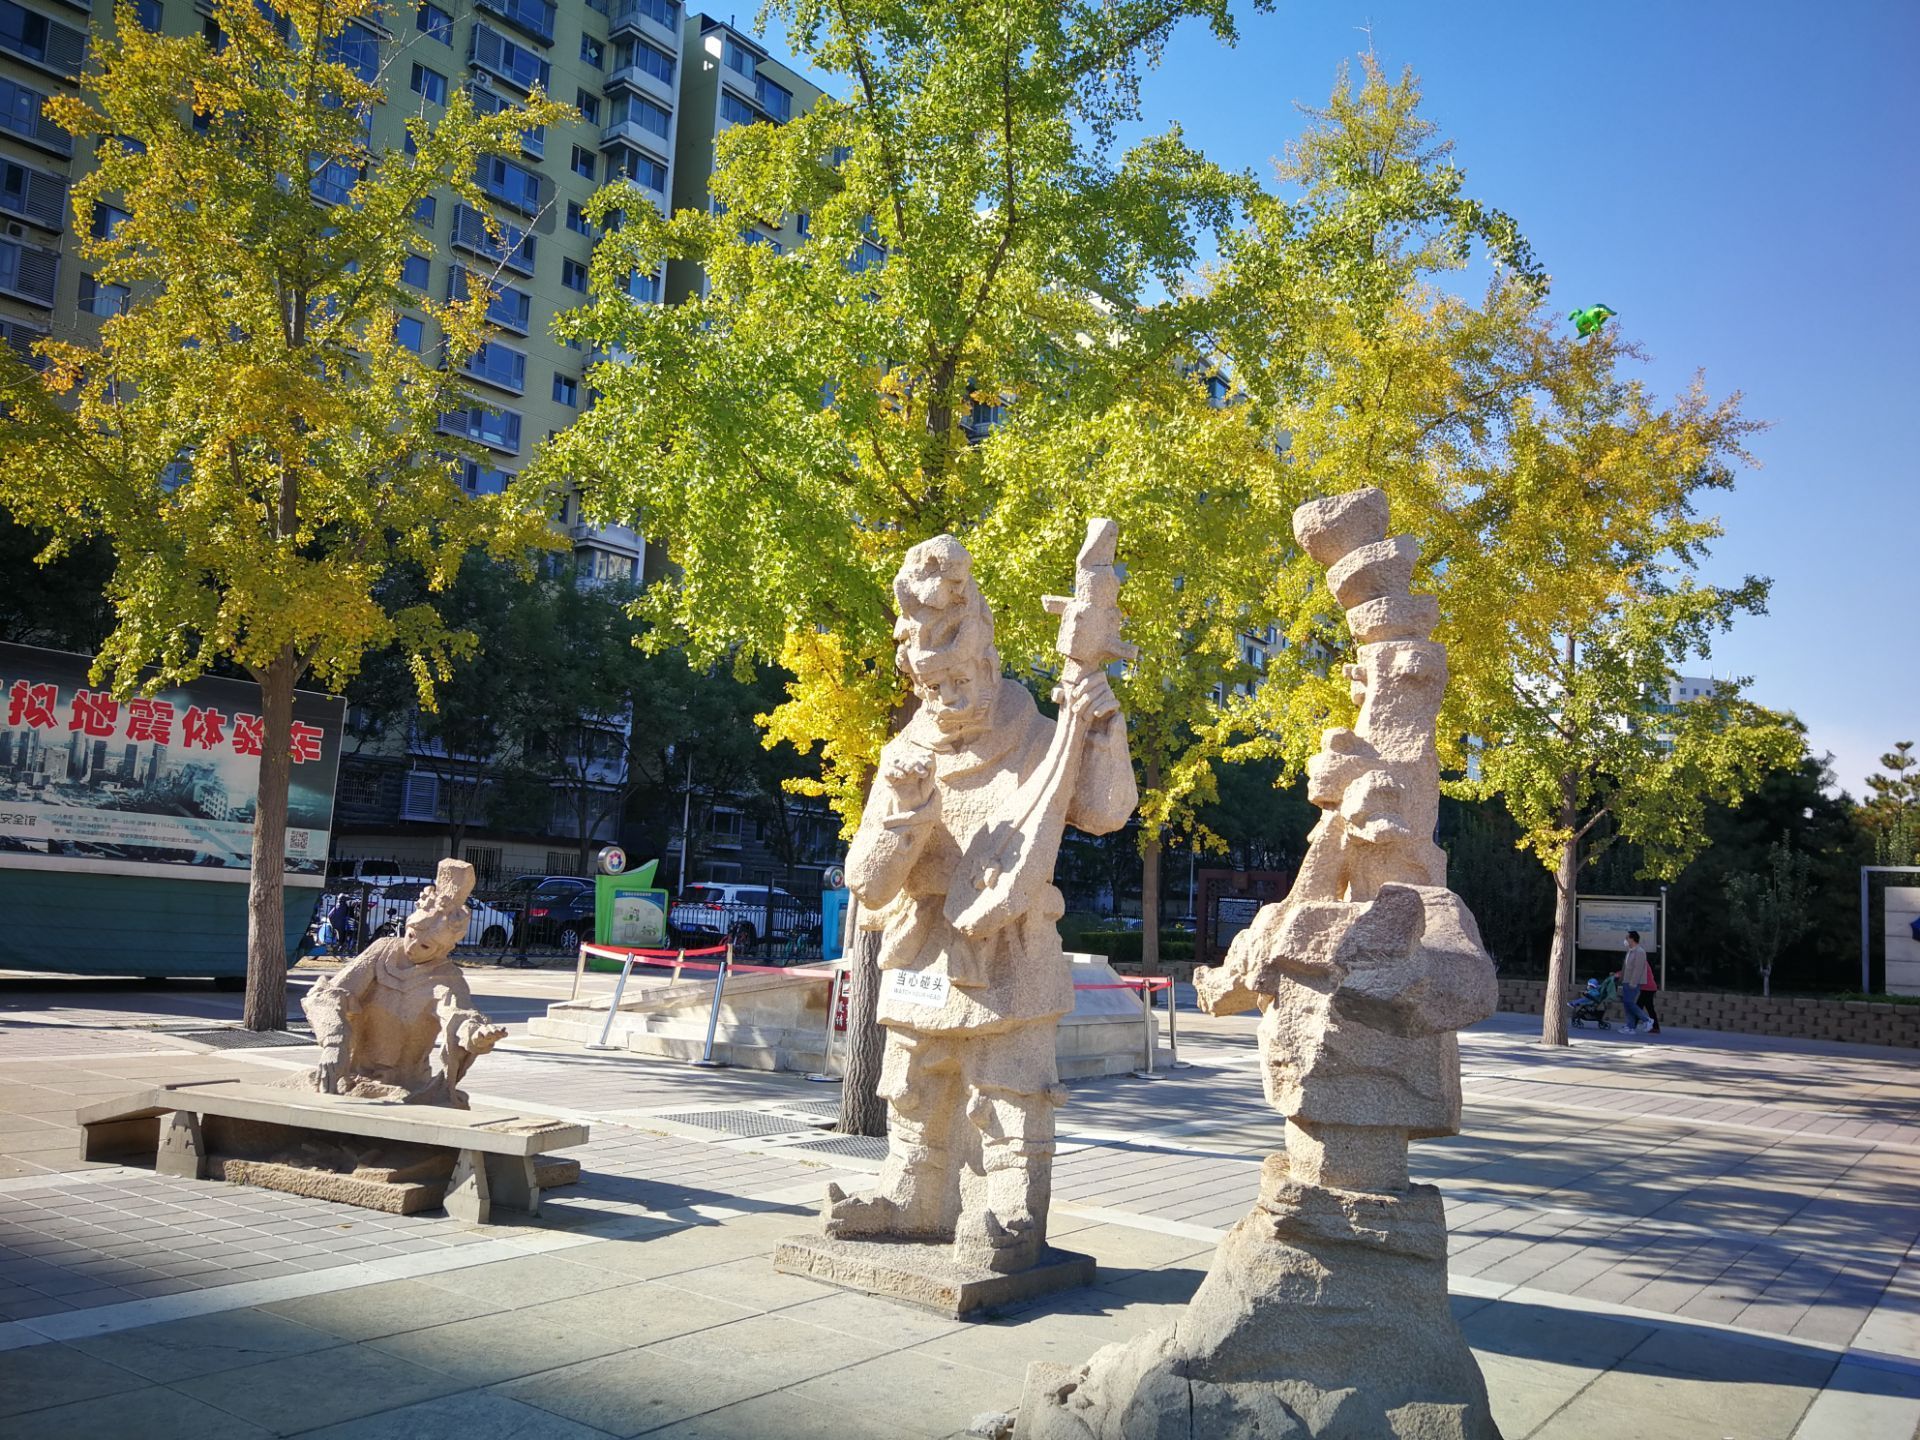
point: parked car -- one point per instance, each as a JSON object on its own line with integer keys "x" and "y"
{"x": 559, "y": 909}
{"x": 388, "y": 906}
{"x": 711, "y": 910}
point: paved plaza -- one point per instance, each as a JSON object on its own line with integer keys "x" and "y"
{"x": 1694, "y": 1235}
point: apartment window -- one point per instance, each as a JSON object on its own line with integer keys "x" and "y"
{"x": 499, "y": 365}
{"x": 478, "y": 479}
{"x": 20, "y": 113}
{"x": 649, "y": 59}
{"x": 98, "y": 299}
{"x": 533, "y": 16}
{"x": 577, "y": 220}
{"x": 499, "y": 429}
{"x": 509, "y": 244}
{"x": 357, "y": 48}
{"x": 509, "y": 183}
{"x": 513, "y": 63}
{"x": 755, "y": 237}
{"x": 573, "y": 275}
{"x": 588, "y": 106}
{"x": 664, "y": 13}
{"x": 410, "y": 331}
{"x": 106, "y": 220}
{"x": 566, "y": 390}
{"x": 509, "y": 308}
{"x": 333, "y": 182}
{"x": 776, "y": 100}
{"x": 434, "y": 23}
{"x": 583, "y": 163}
{"x": 638, "y": 110}
{"x": 593, "y": 52}
{"x": 737, "y": 58}
{"x": 803, "y": 224}
{"x": 33, "y": 195}
{"x": 414, "y": 271}
{"x": 644, "y": 285}
{"x": 29, "y": 271}
{"x": 430, "y": 83}
{"x": 46, "y": 42}
{"x": 736, "y": 111}
{"x": 425, "y": 210}
{"x": 149, "y": 13}
{"x": 641, "y": 169}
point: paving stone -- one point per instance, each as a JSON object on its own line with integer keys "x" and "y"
{"x": 639, "y": 1390}
{"x": 491, "y": 1348}
{"x": 916, "y": 1393}
{"x": 155, "y": 1413}
{"x": 476, "y": 1415}
{"x": 35, "y": 1377}
{"x": 204, "y": 1344}
{"x": 640, "y": 1313}
{"x": 306, "y": 1392}
{"x": 366, "y": 1312}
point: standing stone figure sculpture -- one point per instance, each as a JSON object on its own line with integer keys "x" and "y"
{"x": 1325, "y": 1312}
{"x": 953, "y": 864}
{"x": 398, "y": 1021}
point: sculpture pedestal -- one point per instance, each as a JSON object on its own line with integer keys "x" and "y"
{"x": 925, "y": 1275}
{"x": 1324, "y": 1315}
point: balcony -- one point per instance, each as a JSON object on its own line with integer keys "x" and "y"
{"x": 529, "y": 17}
{"x": 20, "y": 116}
{"x": 496, "y": 365}
{"x": 500, "y": 57}
{"x": 658, "y": 19}
{"x": 514, "y": 248}
{"x": 510, "y": 309}
{"x": 496, "y": 429}
{"x": 33, "y": 195}
{"x": 512, "y": 185}
{"x": 28, "y": 272}
{"x": 20, "y": 338}
{"x": 43, "y": 42}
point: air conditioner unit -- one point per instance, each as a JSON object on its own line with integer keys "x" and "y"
{"x": 483, "y": 81}
{"x": 16, "y": 231}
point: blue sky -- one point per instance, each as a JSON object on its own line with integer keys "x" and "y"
{"x": 1742, "y": 184}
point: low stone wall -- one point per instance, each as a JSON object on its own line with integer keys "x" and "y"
{"x": 1860, "y": 1022}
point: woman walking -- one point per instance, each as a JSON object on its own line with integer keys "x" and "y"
{"x": 1636, "y": 977}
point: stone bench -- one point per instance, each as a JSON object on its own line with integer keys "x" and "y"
{"x": 198, "y": 1131}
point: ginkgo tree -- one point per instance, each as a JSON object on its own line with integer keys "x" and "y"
{"x": 251, "y": 436}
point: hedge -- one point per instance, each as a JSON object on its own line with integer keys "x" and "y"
{"x": 1123, "y": 946}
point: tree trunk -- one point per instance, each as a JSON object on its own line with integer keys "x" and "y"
{"x": 862, "y": 1111}
{"x": 1766, "y": 983}
{"x": 266, "y": 1006}
{"x": 1553, "y": 1021}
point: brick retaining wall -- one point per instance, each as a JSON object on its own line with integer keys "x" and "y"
{"x": 1862, "y": 1022}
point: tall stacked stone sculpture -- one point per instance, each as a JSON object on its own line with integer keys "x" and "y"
{"x": 953, "y": 864}
{"x": 1325, "y": 1311}
{"x": 398, "y": 1021}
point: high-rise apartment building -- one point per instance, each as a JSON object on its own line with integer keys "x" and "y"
{"x": 653, "y": 87}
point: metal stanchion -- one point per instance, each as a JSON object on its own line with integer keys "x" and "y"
{"x": 579, "y": 971}
{"x": 825, "y": 1073}
{"x": 1173, "y": 1028}
{"x": 613, "y": 1006}
{"x": 1147, "y": 1030}
{"x": 706, "y": 1060}
{"x": 679, "y": 960}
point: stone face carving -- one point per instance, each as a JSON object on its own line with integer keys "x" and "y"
{"x": 398, "y": 1021}
{"x": 953, "y": 864}
{"x": 1325, "y": 1312}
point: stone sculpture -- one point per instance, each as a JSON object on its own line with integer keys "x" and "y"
{"x": 953, "y": 864}
{"x": 1325, "y": 1312}
{"x": 398, "y": 1021}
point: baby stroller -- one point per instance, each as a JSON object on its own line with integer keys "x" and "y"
{"x": 1591, "y": 1004}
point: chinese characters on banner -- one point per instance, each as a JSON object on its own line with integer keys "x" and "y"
{"x": 142, "y": 784}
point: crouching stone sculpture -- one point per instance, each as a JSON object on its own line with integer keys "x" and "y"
{"x": 398, "y": 1022}
{"x": 1325, "y": 1311}
{"x": 953, "y": 864}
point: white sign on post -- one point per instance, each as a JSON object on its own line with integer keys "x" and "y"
{"x": 1903, "y": 939}
{"x": 1602, "y": 923}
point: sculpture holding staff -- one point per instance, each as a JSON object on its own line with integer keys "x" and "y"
{"x": 953, "y": 864}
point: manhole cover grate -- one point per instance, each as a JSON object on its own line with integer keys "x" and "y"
{"x": 243, "y": 1039}
{"x": 864, "y": 1147}
{"x": 739, "y": 1122}
{"x": 828, "y": 1108}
